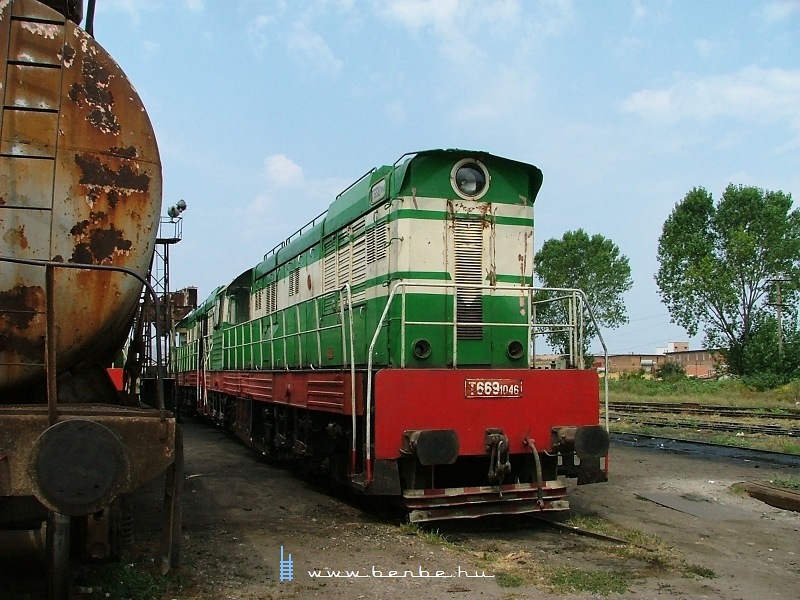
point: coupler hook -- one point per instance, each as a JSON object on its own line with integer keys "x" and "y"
{"x": 497, "y": 448}
{"x": 539, "y": 483}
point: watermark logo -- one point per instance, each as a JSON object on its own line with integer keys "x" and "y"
{"x": 286, "y": 567}
{"x": 376, "y": 573}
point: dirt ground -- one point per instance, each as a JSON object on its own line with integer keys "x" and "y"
{"x": 240, "y": 513}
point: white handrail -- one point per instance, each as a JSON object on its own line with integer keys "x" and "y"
{"x": 346, "y": 288}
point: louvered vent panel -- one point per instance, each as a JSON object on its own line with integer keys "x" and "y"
{"x": 359, "y": 272}
{"x": 468, "y": 240}
{"x": 376, "y": 244}
{"x": 294, "y": 282}
{"x": 329, "y": 265}
{"x": 329, "y": 276}
{"x": 271, "y": 297}
{"x": 343, "y": 259}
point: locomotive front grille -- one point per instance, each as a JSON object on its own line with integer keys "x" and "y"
{"x": 468, "y": 242}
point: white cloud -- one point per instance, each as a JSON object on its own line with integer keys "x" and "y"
{"x": 639, "y": 10}
{"x": 257, "y": 31}
{"x": 396, "y": 111}
{"x": 781, "y": 10}
{"x": 281, "y": 171}
{"x": 467, "y": 29}
{"x": 310, "y": 48}
{"x": 194, "y": 5}
{"x": 150, "y": 47}
{"x": 506, "y": 93}
{"x": 704, "y": 47}
{"x": 752, "y": 94}
{"x": 288, "y": 199}
{"x": 132, "y": 8}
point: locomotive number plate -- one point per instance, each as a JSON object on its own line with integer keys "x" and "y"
{"x": 492, "y": 388}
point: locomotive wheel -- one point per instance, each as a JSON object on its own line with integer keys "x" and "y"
{"x": 58, "y": 530}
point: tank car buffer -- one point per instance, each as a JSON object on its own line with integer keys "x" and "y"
{"x": 80, "y": 197}
{"x": 390, "y": 345}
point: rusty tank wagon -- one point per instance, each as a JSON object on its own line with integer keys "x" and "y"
{"x": 80, "y": 196}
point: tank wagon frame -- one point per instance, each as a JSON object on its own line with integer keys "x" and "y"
{"x": 80, "y": 196}
{"x": 390, "y": 343}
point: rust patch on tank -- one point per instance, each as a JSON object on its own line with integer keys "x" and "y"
{"x": 16, "y": 237}
{"x": 19, "y": 306}
{"x": 95, "y": 173}
{"x": 129, "y": 152}
{"x": 95, "y": 94}
{"x": 98, "y": 241}
{"x": 20, "y": 309}
{"x": 101, "y": 179}
{"x": 67, "y": 55}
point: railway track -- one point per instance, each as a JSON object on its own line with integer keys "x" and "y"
{"x": 704, "y": 409}
{"x": 785, "y": 422}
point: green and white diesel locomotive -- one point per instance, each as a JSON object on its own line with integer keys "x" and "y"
{"x": 390, "y": 345}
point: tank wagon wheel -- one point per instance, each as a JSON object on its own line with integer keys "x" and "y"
{"x": 58, "y": 555}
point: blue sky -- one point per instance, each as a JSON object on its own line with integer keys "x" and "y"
{"x": 266, "y": 109}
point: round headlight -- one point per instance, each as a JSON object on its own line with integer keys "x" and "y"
{"x": 422, "y": 349}
{"x": 515, "y": 350}
{"x": 470, "y": 179}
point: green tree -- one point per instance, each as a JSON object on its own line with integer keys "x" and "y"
{"x": 718, "y": 263}
{"x": 768, "y": 360}
{"x": 593, "y": 264}
{"x": 671, "y": 371}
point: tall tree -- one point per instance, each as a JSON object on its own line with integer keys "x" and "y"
{"x": 718, "y": 263}
{"x": 593, "y": 264}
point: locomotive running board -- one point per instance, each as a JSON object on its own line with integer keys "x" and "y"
{"x": 474, "y": 502}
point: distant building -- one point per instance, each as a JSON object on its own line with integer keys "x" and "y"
{"x": 702, "y": 364}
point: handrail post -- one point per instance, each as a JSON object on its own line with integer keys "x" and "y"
{"x": 319, "y": 332}
{"x": 50, "y": 341}
{"x": 455, "y": 326}
{"x": 368, "y": 399}
{"x": 403, "y": 328}
{"x": 354, "y": 449}
{"x": 299, "y": 335}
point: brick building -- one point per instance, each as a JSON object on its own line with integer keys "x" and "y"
{"x": 702, "y": 364}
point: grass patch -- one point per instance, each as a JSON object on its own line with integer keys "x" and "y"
{"x": 738, "y": 489}
{"x": 787, "y": 446}
{"x": 571, "y": 579}
{"x": 726, "y": 439}
{"x": 690, "y": 570}
{"x": 129, "y": 580}
{"x": 790, "y": 483}
{"x": 730, "y": 392}
{"x": 509, "y": 580}
{"x": 431, "y": 537}
{"x": 784, "y": 400}
{"x": 642, "y": 555}
{"x": 644, "y": 547}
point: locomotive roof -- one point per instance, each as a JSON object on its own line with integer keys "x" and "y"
{"x": 356, "y": 200}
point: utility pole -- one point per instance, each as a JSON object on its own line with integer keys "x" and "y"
{"x": 778, "y": 304}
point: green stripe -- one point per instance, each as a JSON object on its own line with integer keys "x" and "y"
{"x": 515, "y": 279}
{"x": 444, "y": 216}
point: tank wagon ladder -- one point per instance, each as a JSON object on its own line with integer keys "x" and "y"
{"x": 577, "y": 304}
{"x": 32, "y": 120}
